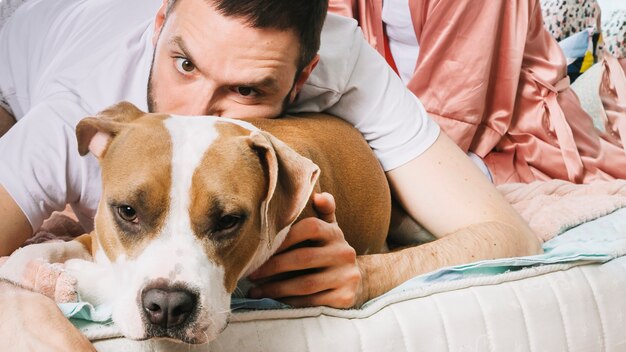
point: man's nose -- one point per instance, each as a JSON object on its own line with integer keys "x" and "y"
{"x": 206, "y": 103}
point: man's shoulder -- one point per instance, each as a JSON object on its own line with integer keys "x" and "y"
{"x": 339, "y": 50}
{"x": 338, "y": 24}
{"x": 340, "y": 36}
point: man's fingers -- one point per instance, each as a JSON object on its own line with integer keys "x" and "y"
{"x": 309, "y": 284}
{"x": 342, "y": 299}
{"x": 305, "y": 258}
{"x": 297, "y": 286}
{"x": 325, "y": 205}
{"x": 309, "y": 229}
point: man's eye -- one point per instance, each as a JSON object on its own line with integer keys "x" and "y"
{"x": 184, "y": 66}
{"x": 247, "y": 92}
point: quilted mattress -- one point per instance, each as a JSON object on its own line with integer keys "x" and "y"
{"x": 571, "y": 302}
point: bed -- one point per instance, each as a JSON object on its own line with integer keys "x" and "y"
{"x": 560, "y": 308}
{"x": 568, "y": 299}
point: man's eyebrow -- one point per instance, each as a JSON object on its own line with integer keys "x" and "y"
{"x": 267, "y": 82}
{"x": 180, "y": 42}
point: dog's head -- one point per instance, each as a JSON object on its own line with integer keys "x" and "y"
{"x": 189, "y": 206}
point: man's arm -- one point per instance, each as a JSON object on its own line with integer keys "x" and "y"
{"x": 444, "y": 191}
{"x": 24, "y": 312}
{"x": 14, "y": 224}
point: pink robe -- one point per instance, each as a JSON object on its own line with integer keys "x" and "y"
{"x": 495, "y": 81}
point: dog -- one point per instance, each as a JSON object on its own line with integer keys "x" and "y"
{"x": 192, "y": 204}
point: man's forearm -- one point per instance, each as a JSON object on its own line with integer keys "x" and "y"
{"x": 490, "y": 240}
{"x": 20, "y": 308}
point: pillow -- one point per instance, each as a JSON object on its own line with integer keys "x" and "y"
{"x": 580, "y": 50}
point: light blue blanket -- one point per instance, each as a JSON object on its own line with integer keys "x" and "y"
{"x": 596, "y": 241}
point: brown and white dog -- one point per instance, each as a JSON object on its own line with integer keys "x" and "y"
{"x": 191, "y": 205}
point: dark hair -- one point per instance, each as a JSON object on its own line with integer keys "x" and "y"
{"x": 304, "y": 17}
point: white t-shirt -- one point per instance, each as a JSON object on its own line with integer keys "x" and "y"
{"x": 63, "y": 60}
{"x": 402, "y": 40}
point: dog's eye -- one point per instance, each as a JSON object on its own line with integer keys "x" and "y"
{"x": 127, "y": 213}
{"x": 227, "y": 222}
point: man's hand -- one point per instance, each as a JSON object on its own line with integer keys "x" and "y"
{"x": 332, "y": 276}
{"x": 32, "y": 322}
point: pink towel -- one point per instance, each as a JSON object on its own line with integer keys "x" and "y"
{"x": 48, "y": 279}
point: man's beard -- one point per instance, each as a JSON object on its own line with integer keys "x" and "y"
{"x": 152, "y": 104}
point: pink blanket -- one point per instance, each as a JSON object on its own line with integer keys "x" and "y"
{"x": 555, "y": 206}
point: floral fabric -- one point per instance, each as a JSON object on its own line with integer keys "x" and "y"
{"x": 563, "y": 18}
{"x": 614, "y": 29}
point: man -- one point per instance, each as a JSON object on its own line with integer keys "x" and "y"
{"x": 65, "y": 59}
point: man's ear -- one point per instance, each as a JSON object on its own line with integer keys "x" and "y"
{"x": 159, "y": 21}
{"x": 94, "y": 134}
{"x": 291, "y": 178}
{"x": 301, "y": 79}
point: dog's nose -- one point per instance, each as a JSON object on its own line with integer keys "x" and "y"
{"x": 167, "y": 308}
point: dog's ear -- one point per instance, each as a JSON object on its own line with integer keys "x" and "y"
{"x": 291, "y": 179}
{"x": 94, "y": 134}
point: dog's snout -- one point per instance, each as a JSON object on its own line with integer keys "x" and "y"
{"x": 168, "y": 308}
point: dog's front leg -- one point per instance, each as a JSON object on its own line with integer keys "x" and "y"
{"x": 16, "y": 267}
{"x": 38, "y": 267}
{"x": 95, "y": 282}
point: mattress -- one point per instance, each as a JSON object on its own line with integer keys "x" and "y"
{"x": 569, "y": 299}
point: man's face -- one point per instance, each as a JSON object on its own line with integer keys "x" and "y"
{"x": 208, "y": 64}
